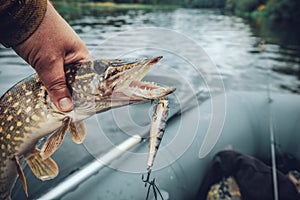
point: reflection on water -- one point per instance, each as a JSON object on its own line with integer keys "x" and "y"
{"x": 231, "y": 42}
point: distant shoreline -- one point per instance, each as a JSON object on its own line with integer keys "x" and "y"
{"x": 253, "y": 9}
{"x": 113, "y": 6}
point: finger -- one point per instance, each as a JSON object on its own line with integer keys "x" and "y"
{"x": 53, "y": 77}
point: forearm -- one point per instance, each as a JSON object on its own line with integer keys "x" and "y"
{"x": 20, "y": 19}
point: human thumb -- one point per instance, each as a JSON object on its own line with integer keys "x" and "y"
{"x": 53, "y": 77}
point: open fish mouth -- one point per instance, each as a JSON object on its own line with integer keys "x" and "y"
{"x": 129, "y": 82}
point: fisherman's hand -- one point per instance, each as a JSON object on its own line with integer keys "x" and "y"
{"x": 51, "y": 46}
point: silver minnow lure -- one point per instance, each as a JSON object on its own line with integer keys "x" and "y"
{"x": 157, "y": 130}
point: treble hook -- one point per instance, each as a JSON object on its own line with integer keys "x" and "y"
{"x": 151, "y": 185}
{"x": 147, "y": 179}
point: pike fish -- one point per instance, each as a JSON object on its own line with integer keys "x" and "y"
{"x": 27, "y": 114}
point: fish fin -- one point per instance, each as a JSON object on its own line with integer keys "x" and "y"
{"x": 21, "y": 175}
{"x": 44, "y": 169}
{"x": 55, "y": 140}
{"x": 78, "y": 132}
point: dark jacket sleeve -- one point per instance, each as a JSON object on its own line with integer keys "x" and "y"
{"x": 253, "y": 177}
{"x": 19, "y": 19}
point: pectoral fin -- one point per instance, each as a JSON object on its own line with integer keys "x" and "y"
{"x": 44, "y": 169}
{"x": 55, "y": 140}
{"x": 21, "y": 175}
{"x": 78, "y": 132}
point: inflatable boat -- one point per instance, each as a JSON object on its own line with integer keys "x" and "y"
{"x": 252, "y": 123}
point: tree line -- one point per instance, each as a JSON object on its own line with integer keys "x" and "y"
{"x": 275, "y": 9}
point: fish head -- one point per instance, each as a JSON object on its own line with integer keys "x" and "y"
{"x": 116, "y": 82}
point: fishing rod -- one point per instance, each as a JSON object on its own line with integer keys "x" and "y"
{"x": 271, "y": 128}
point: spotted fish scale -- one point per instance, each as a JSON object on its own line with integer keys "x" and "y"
{"x": 17, "y": 118}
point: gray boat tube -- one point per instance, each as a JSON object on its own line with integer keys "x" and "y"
{"x": 246, "y": 129}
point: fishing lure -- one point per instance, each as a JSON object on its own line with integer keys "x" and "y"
{"x": 157, "y": 130}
